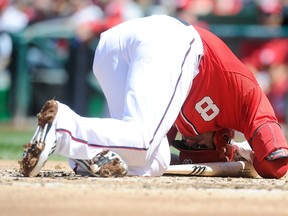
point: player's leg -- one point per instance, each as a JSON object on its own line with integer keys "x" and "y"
{"x": 130, "y": 137}
{"x": 53, "y": 137}
{"x": 157, "y": 83}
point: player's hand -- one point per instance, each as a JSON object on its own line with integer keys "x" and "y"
{"x": 242, "y": 150}
{"x": 206, "y": 147}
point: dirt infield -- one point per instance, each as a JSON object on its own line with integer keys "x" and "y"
{"x": 59, "y": 192}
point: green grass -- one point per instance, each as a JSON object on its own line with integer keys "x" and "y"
{"x": 12, "y": 142}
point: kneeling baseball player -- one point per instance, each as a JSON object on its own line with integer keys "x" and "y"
{"x": 159, "y": 73}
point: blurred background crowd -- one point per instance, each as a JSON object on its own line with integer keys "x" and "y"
{"x": 57, "y": 66}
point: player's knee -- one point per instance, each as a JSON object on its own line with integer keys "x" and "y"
{"x": 271, "y": 169}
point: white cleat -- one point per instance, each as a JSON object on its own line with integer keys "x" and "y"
{"x": 43, "y": 142}
{"x": 104, "y": 164}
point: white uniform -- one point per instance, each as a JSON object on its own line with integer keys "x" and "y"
{"x": 145, "y": 67}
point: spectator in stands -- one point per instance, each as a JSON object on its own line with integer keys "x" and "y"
{"x": 12, "y": 19}
{"x": 115, "y": 12}
{"x": 189, "y": 11}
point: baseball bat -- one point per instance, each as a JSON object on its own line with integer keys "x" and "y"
{"x": 216, "y": 169}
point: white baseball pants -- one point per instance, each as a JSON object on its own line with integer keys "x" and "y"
{"x": 145, "y": 68}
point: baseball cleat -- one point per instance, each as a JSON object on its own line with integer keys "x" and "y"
{"x": 43, "y": 142}
{"x": 104, "y": 164}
